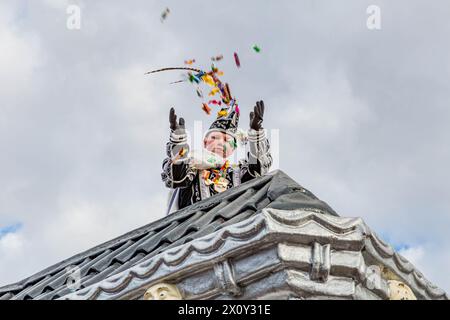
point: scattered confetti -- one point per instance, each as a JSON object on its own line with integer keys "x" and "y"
{"x": 165, "y": 14}
{"x": 214, "y": 91}
{"x": 215, "y": 102}
{"x": 256, "y": 48}
{"x": 206, "y": 108}
{"x": 209, "y": 80}
{"x": 226, "y": 97}
{"x": 236, "y": 60}
{"x": 217, "y": 58}
{"x": 177, "y": 81}
{"x": 222, "y": 113}
{"x": 237, "y": 110}
{"x": 193, "y": 78}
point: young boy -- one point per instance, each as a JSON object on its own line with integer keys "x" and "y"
{"x": 193, "y": 178}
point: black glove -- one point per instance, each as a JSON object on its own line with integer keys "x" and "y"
{"x": 174, "y": 126}
{"x": 256, "y": 116}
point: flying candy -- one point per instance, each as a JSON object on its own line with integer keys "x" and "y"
{"x": 256, "y": 48}
{"x": 236, "y": 60}
{"x": 193, "y": 78}
{"x": 215, "y": 102}
{"x": 209, "y": 80}
{"x": 189, "y": 62}
{"x": 214, "y": 91}
{"x": 222, "y": 113}
{"x": 217, "y": 58}
{"x": 165, "y": 14}
{"x": 206, "y": 108}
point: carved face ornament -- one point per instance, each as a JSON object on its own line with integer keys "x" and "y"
{"x": 162, "y": 291}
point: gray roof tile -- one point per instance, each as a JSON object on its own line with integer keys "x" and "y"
{"x": 274, "y": 190}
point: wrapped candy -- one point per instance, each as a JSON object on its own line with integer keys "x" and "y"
{"x": 209, "y": 80}
{"x": 214, "y": 91}
{"x": 189, "y": 62}
{"x": 222, "y": 113}
{"x": 193, "y": 78}
{"x": 206, "y": 108}
{"x": 215, "y": 102}
{"x": 164, "y": 14}
{"x": 217, "y": 58}
{"x": 256, "y": 48}
{"x": 236, "y": 60}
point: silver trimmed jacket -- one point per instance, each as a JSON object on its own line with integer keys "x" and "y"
{"x": 186, "y": 183}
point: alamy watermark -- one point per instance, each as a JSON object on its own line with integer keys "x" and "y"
{"x": 374, "y": 19}
{"x": 73, "y": 21}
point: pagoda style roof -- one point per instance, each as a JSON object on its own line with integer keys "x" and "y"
{"x": 268, "y": 238}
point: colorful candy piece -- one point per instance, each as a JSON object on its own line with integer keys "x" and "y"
{"x": 226, "y": 93}
{"x": 214, "y": 91}
{"x": 217, "y": 58}
{"x": 164, "y": 14}
{"x": 215, "y": 102}
{"x": 222, "y": 113}
{"x": 256, "y": 48}
{"x": 189, "y": 62}
{"x": 199, "y": 93}
{"x": 236, "y": 60}
{"x": 193, "y": 78}
{"x": 206, "y": 108}
{"x": 209, "y": 80}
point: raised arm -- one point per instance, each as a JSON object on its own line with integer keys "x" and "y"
{"x": 258, "y": 159}
{"x": 176, "y": 170}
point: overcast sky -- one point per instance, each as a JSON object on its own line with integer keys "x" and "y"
{"x": 363, "y": 115}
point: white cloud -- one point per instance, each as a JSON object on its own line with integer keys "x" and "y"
{"x": 20, "y": 55}
{"x": 414, "y": 254}
{"x": 11, "y": 245}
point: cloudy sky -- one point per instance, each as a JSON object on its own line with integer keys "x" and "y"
{"x": 363, "y": 115}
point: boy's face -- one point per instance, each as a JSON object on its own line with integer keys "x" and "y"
{"x": 220, "y": 143}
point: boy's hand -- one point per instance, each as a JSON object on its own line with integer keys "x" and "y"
{"x": 256, "y": 116}
{"x": 174, "y": 126}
